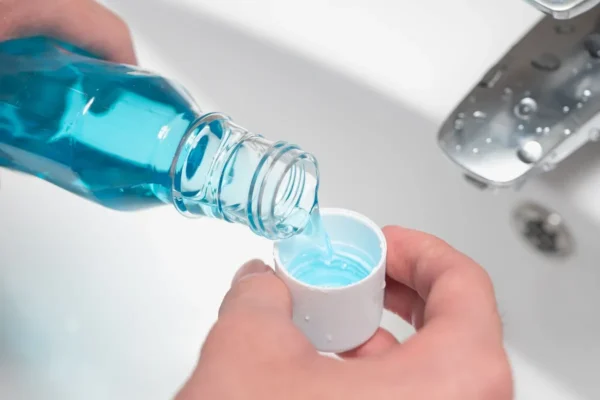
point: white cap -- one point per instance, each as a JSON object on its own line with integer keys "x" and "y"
{"x": 339, "y": 319}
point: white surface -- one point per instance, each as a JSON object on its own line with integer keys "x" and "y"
{"x": 336, "y": 320}
{"x": 104, "y": 305}
{"x": 425, "y": 53}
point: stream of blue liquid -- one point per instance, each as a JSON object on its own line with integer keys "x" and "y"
{"x": 322, "y": 262}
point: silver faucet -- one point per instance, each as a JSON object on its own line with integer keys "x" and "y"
{"x": 564, "y": 9}
{"x": 537, "y": 105}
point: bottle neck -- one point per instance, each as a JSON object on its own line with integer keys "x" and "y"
{"x": 222, "y": 170}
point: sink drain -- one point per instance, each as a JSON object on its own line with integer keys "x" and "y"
{"x": 543, "y": 229}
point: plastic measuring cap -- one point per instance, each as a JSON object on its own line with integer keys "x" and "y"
{"x": 340, "y": 318}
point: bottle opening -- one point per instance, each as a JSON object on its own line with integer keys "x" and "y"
{"x": 224, "y": 171}
{"x": 287, "y": 184}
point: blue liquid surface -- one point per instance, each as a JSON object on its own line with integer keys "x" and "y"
{"x": 105, "y": 131}
{"x": 324, "y": 263}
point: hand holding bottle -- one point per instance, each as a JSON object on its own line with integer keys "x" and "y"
{"x": 84, "y": 23}
{"x": 255, "y": 352}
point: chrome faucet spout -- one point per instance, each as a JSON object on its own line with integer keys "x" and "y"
{"x": 564, "y": 9}
{"x": 536, "y": 106}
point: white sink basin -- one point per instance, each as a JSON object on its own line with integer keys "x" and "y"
{"x": 96, "y": 304}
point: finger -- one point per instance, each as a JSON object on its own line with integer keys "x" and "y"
{"x": 404, "y": 302}
{"x": 456, "y": 290}
{"x": 249, "y": 269}
{"x": 94, "y": 27}
{"x": 254, "y": 332}
{"x": 418, "y": 314}
{"x": 379, "y": 344}
{"x": 256, "y": 315}
{"x": 256, "y": 289}
{"x": 85, "y": 23}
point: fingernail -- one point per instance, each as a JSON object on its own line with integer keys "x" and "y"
{"x": 251, "y": 268}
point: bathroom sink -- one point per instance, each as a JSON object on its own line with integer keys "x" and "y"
{"x": 97, "y": 304}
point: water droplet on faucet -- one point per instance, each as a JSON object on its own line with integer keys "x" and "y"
{"x": 595, "y": 135}
{"x": 530, "y": 152}
{"x": 592, "y": 45}
{"x": 479, "y": 115}
{"x": 566, "y": 109}
{"x": 546, "y": 62}
{"x": 525, "y": 108}
{"x": 307, "y": 318}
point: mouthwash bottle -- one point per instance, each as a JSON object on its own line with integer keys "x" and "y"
{"x": 129, "y": 139}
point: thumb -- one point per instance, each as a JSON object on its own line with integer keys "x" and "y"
{"x": 253, "y": 338}
{"x": 256, "y": 315}
{"x": 256, "y": 290}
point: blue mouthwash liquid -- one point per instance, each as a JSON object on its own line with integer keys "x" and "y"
{"x": 323, "y": 263}
{"x": 129, "y": 139}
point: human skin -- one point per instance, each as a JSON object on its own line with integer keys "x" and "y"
{"x": 84, "y": 23}
{"x": 254, "y": 351}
